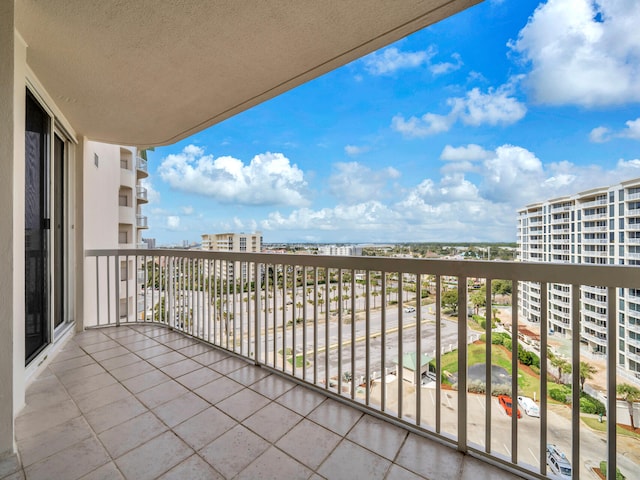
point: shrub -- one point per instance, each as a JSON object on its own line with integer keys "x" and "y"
{"x": 588, "y": 404}
{"x": 603, "y": 469}
{"x": 535, "y": 369}
{"x": 507, "y": 343}
{"x": 501, "y": 390}
{"x": 560, "y": 394}
{"x": 477, "y": 386}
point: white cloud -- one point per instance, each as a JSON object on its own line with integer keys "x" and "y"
{"x": 632, "y": 130}
{"x": 495, "y": 107}
{"x": 269, "y": 179}
{"x": 604, "y": 134}
{"x": 355, "y": 150}
{"x": 454, "y": 206}
{"x": 583, "y": 52}
{"x": 353, "y": 182}
{"x": 173, "y": 222}
{"x": 187, "y": 210}
{"x": 447, "y": 67}
{"x": 599, "y": 135}
{"x": 469, "y": 153}
{"x": 427, "y": 125}
{"x": 391, "y": 59}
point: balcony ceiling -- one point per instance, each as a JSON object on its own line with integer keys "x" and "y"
{"x": 152, "y": 72}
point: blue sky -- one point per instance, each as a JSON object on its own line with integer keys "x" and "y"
{"x": 441, "y": 136}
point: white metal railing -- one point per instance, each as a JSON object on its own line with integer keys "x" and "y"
{"x": 634, "y": 240}
{"x": 141, "y": 221}
{"x": 633, "y": 226}
{"x": 141, "y": 193}
{"x": 141, "y": 166}
{"x": 355, "y": 327}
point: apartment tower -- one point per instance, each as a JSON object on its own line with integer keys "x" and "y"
{"x": 599, "y": 226}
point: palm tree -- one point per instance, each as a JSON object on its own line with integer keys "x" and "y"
{"x": 562, "y": 365}
{"x": 586, "y": 373}
{"x": 375, "y": 294}
{"x": 629, "y": 394}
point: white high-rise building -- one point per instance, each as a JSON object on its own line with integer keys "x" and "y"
{"x": 599, "y": 226}
{"x": 232, "y": 242}
{"x": 113, "y": 212}
{"x": 340, "y": 250}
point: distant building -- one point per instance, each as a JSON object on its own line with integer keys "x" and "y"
{"x": 232, "y": 242}
{"x": 602, "y": 227}
{"x": 149, "y": 242}
{"x": 340, "y": 250}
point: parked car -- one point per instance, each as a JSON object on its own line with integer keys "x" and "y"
{"x": 558, "y": 462}
{"x": 506, "y": 403}
{"x": 409, "y": 309}
{"x": 529, "y": 406}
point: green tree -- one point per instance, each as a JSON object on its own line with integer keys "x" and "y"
{"x": 501, "y": 287}
{"x": 562, "y": 365}
{"x": 479, "y": 299}
{"x": 586, "y": 373}
{"x": 629, "y": 394}
{"x": 449, "y": 300}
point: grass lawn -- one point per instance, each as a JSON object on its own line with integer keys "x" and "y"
{"x": 299, "y": 358}
{"x": 594, "y": 424}
{"x": 527, "y": 382}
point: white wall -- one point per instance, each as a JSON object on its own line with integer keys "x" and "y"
{"x": 12, "y": 106}
{"x": 101, "y": 186}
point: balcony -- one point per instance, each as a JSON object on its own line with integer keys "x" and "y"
{"x": 293, "y": 321}
{"x": 594, "y": 203}
{"x": 141, "y": 221}
{"x": 594, "y": 216}
{"x": 595, "y": 241}
{"x": 595, "y": 229}
{"x": 232, "y": 380}
{"x": 141, "y": 168}
{"x": 633, "y": 196}
{"x": 141, "y": 194}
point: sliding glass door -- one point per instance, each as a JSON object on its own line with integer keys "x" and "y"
{"x": 37, "y": 225}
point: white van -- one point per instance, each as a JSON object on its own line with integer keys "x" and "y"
{"x": 558, "y": 463}
{"x": 529, "y": 406}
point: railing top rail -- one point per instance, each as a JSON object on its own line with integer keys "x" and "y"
{"x": 601, "y": 275}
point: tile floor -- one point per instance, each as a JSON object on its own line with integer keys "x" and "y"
{"x": 141, "y": 402}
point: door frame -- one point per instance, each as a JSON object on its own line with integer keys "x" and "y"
{"x": 66, "y": 253}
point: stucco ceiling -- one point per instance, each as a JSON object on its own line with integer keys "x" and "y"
{"x": 151, "y": 72}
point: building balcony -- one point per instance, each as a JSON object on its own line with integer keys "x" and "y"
{"x": 594, "y": 216}
{"x": 635, "y": 227}
{"x": 595, "y": 253}
{"x": 595, "y": 241}
{"x": 141, "y": 168}
{"x": 595, "y": 229}
{"x": 594, "y": 203}
{"x": 220, "y": 362}
{"x": 633, "y": 196}
{"x": 141, "y": 194}
{"x": 141, "y": 221}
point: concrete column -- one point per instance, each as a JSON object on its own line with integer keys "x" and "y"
{"x": 12, "y": 106}
{"x": 79, "y": 286}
